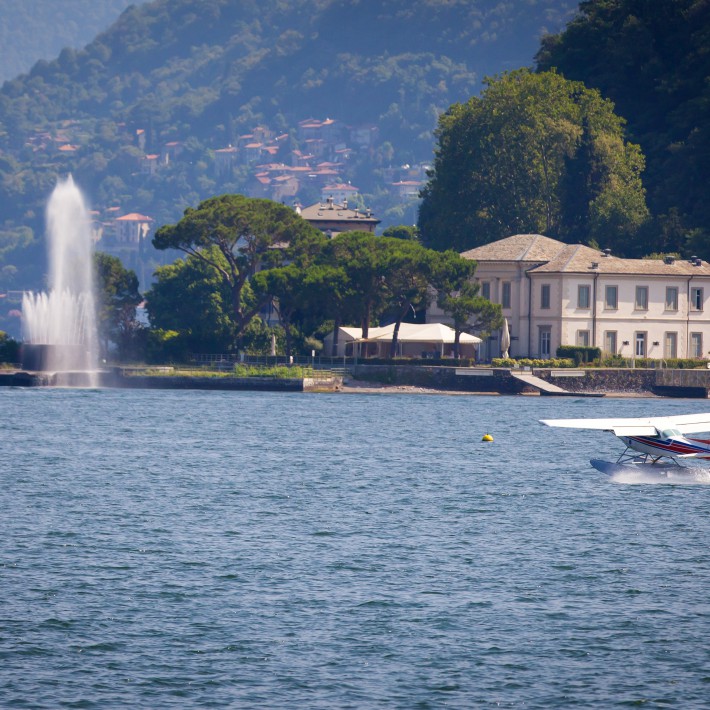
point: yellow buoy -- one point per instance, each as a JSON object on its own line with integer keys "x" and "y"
{"x": 487, "y": 437}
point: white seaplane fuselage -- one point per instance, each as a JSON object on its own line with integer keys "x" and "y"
{"x": 649, "y": 441}
{"x": 668, "y": 444}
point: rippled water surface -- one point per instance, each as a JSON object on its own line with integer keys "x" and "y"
{"x": 190, "y": 549}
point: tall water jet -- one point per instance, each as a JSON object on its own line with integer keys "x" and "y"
{"x": 59, "y": 326}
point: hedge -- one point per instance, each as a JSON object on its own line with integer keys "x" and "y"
{"x": 532, "y": 362}
{"x": 579, "y": 353}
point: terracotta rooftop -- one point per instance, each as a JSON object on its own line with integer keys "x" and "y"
{"x": 134, "y": 217}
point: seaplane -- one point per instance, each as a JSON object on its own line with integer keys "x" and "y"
{"x": 652, "y": 443}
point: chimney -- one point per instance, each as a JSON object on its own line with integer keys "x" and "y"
{"x": 606, "y": 252}
{"x": 668, "y": 259}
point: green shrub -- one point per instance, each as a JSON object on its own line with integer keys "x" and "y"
{"x": 9, "y": 349}
{"x": 649, "y": 363}
{"x": 533, "y": 362}
{"x": 581, "y": 354}
{"x": 280, "y": 371}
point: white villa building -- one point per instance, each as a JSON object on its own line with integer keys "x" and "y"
{"x": 556, "y": 294}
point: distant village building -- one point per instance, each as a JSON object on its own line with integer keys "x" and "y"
{"x": 406, "y": 189}
{"x": 556, "y": 294}
{"x": 149, "y": 164}
{"x": 132, "y": 228}
{"x": 128, "y": 238}
{"x": 339, "y": 192}
{"x": 332, "y": 218}
{"x": 364, "y": 136}
{"x": 225, "y": 159}
{"x": 171, "y": 151}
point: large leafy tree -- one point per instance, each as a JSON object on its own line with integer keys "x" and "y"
{"x": 406, "y": 272}
{"x": 118, "y": 297}
{"x": 505, "y": 161}
{"x": 458, "y": 296}
{"x": 236, "y": 236}
{"x": 191, "y": 298}
{"x": 650, "y": 59}
{"x": 363, "y": 296}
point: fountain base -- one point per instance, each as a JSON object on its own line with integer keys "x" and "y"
{"x": 55, "y": 358}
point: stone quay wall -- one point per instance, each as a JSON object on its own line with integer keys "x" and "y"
{"x": 668, "y": 383}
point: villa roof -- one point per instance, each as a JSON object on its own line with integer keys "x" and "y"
{"x": 577, "y": 258}
{"x": 520, "y": 247}
{"x": 553, "y": 256}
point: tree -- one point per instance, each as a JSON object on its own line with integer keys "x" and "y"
{"x": 9, "y": 349}
{"x": 244, "y": 234}
{"x": 406, "y": 272}
{"x": 403, "y": 231}
{"x": 458, "y": 296}
{"x": 502, "y": 160}
{"x": 364, "y": 292}
{"x": 470, "y": 312}
{"x": 650, "y": 59}
{"x": 285, "y": 286}
{"x": 191, "y": 298}
{"x": 118, "y": 297}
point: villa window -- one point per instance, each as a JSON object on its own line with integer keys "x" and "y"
{"x": 696, "y": 299}
{"x": 642, "y": 298}
{"x": 696, "y": 345}
{"x": 640, "y": 350}
{"x": 583, "y": 297}
{"x": 583, "y": 338}
{"x": 610, "y": 342}
{"x": 545, "y": 296}
{"x": 670, "y": 346}
{"x": 486, "y": 290}
{"x": 611, "y": 297}
{"x": 671, "y": 298}
{"x": 505, "y": 294}
{"x": 545, "y": 340}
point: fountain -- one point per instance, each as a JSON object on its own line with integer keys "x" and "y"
{"x": 59, "y": 326}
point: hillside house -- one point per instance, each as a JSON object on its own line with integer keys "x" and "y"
{"x": 556, "y": 294}
{"x": 225, "y": 159}
{"x": 132, "y": 229}
{"x": 339, "y": 192}
{"x": 406, "y": 189}
{"x": 332, "y": 218}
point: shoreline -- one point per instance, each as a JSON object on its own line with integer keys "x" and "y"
{"x": 365, "y": 387}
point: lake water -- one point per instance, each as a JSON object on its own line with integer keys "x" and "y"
{"x": 224, "y": 549}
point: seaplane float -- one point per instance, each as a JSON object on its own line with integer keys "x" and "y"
{"x": 655, "y": 444}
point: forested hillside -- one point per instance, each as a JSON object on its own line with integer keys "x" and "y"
{"x": 179, "y": 80}
{"x": 653, "y": 60}
{"x": 39, "y": 29}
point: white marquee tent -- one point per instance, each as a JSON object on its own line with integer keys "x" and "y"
{"x": 413, "y": 340}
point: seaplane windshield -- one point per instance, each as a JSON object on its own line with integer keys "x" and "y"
{"x": 671, "y": 434}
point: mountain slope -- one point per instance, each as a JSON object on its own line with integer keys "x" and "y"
{"x": 203, "y": 72}
{"x": 38, "y": 29}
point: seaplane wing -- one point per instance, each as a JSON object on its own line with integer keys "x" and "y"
{"x": 642, "y": 426}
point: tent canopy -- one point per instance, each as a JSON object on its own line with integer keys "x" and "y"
{"x": 412, "y": 333}
{"x": 418, "y": 340}
{"x": 416, "y": 333}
